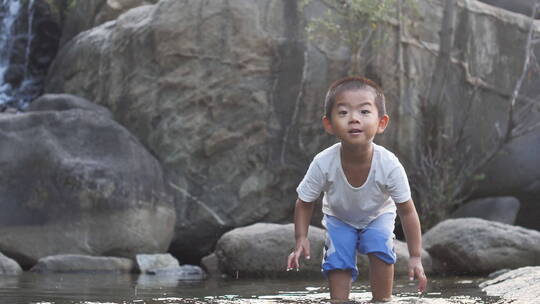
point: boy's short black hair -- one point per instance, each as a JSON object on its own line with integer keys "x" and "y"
{"x": 351, "y": 84}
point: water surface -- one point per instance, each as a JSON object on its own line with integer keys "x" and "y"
{"x": 127, "y": 288}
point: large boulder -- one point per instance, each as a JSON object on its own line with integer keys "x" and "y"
{"x": 209, "y": 113}
{"x": 78, "y": 263}
{"x": 75, "y": 181}
{"x": 521, "y": 285}
{"x": 477, "y": 246}
{"x": 499, "y": 209}
{"x": 228, "y": 94}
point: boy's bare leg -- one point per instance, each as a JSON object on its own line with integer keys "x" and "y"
{"x": 381, "y": 277}
{"x": 340, "y": 284}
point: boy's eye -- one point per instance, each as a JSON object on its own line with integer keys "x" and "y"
{"x": 342, "y": 112}
{"x": 365, "y": 112}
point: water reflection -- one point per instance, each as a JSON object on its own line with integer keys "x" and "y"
{"x": 126, "y": 288}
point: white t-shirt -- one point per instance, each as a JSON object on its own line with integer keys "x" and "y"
{"x": 358, "y": 206}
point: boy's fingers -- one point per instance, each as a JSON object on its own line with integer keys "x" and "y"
{"x": 422, "y": 284}
{"x": 289, "y": 261}
{"x": 292, "y": 261}
{"x": 296, "y": 264}
{"x": 422, "y": 280}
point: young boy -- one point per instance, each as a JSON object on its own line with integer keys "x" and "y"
{"x": 364, "y": 185}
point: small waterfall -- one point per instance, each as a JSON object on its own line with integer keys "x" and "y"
{"x": 19, "y": 84}
{"x": 30, "y": 36}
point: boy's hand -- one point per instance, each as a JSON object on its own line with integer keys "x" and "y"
{"x": 416, "y": 270}
{"x": 302, "y": 248}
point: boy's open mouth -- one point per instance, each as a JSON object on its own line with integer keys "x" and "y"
{"x": 355, "y": 131}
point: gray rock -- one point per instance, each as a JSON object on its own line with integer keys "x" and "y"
{"x": 499, "y": 209}
{"x": 9, "y": 266}
{"x": 521, "y": 285}
{"x": 476, "y": 246}
{"x": 226, "y": 100}
{"x": 262, "y": 249}
{"x": 77, "y": 182}
{"x": 82, "y": 263}
{"x": 223, "y": 174}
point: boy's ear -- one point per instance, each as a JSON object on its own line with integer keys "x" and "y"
{"x": 383, "y": 123}
{"x": 327, "y": 125}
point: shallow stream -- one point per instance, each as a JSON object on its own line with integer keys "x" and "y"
{"x": 117, "y": 288}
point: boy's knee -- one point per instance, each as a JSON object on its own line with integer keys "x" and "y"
{"x": 380, "y": 259}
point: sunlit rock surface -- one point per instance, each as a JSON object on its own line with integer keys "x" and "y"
{"x": 70, "y": 263}
{"x": 9, "y": 266}
{"x": 519, "y": 286}
{"x": 152, "y": 263}
{"x": 75, "y": 181}
{"x": 476, "y": 246}
{"x": 167, "y": 265}
{"x": 228, "y": 96}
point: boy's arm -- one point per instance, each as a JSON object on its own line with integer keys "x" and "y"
{"x": 413, "y": 235}
{"x": 302, "y": 218}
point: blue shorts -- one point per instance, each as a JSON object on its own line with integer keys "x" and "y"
{"x": 343, "y": 240}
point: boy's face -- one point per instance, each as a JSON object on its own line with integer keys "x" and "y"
{"x": 354, "y": 118}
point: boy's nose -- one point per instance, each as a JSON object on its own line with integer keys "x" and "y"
{"x": 354, "y": 118}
